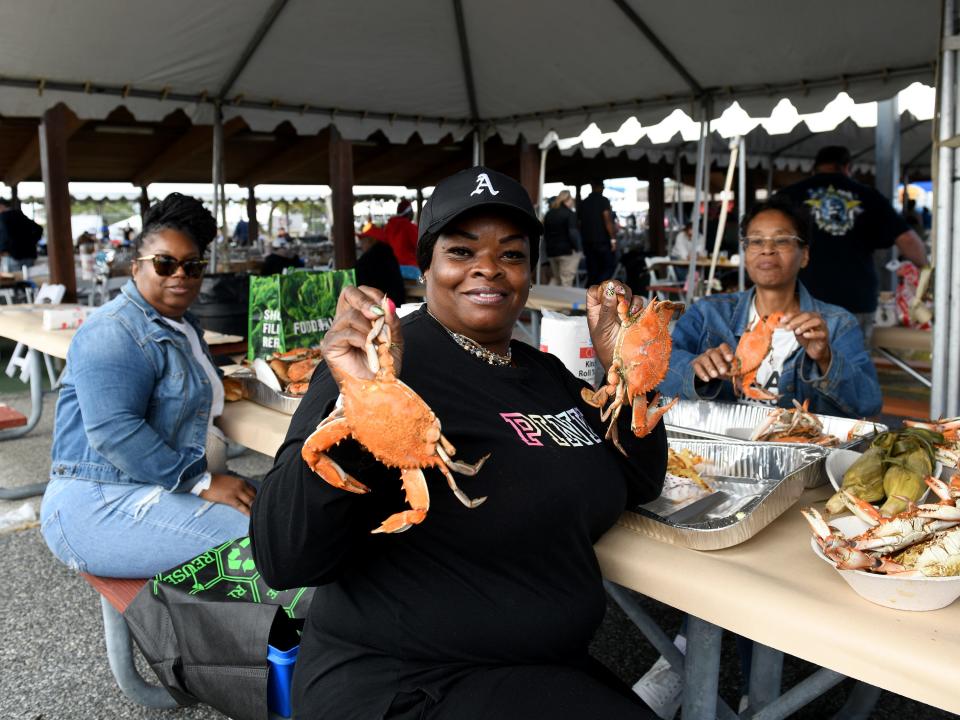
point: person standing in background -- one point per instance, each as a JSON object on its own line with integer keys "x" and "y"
{"x": 599, "y": 232}
{"x": 19, "y": 236}
{"x": 400, "y": 233}
{"x": 562, "y": 238}
{"x": 377, "y": 267}
{"x": 848, "y": 221}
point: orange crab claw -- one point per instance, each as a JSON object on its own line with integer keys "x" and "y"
{"x": 418, "y": 497}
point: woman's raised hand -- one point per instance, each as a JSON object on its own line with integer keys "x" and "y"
{"x": 344, "y": 345}
{"x": 714, "y": 363}
{"x": 603, "y": 319}
{"x": 811, "y": 332}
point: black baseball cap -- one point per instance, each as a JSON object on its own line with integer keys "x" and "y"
{"x": 478, "y": 187}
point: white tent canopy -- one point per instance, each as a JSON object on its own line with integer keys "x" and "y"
{"x": 436, "y": 67}
{"x": 794, "y": 150}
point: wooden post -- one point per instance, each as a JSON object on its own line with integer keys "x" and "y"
{"x": 144, "y": 202}
{"x": 53, "y": 167}
{"x": 253, "y": 227}
{"x": 341, "y": 198}
{"x": 655, "y": 196}
{"x": 530, "y": 169}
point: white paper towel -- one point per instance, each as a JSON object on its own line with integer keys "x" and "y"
{"x": 568, "y": 337}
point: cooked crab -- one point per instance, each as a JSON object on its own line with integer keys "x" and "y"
{"x": 641, "y": 357}
{"x": 394, "y": 423}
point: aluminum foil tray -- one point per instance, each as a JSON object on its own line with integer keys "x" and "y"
{"x": 735, "y": 422}
{"x": 259, "y": 393}
{"x": 760, "y": 482}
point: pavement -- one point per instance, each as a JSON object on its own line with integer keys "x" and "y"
{"x": 53, "y": 658}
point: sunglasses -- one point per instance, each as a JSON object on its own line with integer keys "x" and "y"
{"x": 166, "y": 265}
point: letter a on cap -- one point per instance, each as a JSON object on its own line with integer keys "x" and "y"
{"x": 484, "y": 182}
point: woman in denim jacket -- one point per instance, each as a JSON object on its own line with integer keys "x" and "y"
{"x": 818, "y": 352}
{"x": 133, "y": 487}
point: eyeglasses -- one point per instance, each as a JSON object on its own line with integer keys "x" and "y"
{"x": 166, "y": 265}
{"x": 780, "y": 243}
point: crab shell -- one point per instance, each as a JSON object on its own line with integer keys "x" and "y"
{"x": 641, "y": 358}
{"x": 753, "y": 347}
{"x": 372, "y": 409}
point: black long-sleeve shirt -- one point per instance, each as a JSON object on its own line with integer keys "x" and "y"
{"x": 512, "y": 581}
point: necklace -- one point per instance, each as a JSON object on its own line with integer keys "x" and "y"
{"x": 475, "y": 348}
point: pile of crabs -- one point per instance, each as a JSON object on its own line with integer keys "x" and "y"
{"x": 294, "y": 368}
{"x": 922, "y": 540}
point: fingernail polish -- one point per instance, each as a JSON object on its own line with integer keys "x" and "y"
{"x": 376, "y": 310}
{"x": 391, "y": 307}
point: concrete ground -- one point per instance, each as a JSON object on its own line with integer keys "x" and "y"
{"x": 53, "y": 658}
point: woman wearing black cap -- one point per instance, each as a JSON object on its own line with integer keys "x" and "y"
{"x": 474, "y": 613}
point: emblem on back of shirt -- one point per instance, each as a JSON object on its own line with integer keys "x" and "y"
{"x": 483, "y": 183}
{"x": 834, "y": 211}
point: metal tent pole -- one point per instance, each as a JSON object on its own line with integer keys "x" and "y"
{"x": 946, "y": 95}
{"x": 217, "y": 172}
{"x": 741, "y": 207}
{"x": 887, "y": 154}
{"x": 697, "y": 197}
{"x": 952, "y": 400}
{"x": 722, "y": 224}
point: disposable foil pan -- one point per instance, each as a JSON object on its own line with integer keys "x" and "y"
{"x": 259, "y": 393}
{"x": 735, "y": 422}
{"x": 760, "y": 481}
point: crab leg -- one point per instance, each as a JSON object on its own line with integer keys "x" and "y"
{"x": 461, "y": 495}
{"x": 445, "y": 450}
{"x": 332, "y": 430}
{"x": 647, "y": 415}
{"x": 418, "y": 496}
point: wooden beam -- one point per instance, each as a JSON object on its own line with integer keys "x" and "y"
{"x": 305, "y": 151}
{"x": 341, "y": 199}
{"x": 53, "y": 133}
{"x": 144, "y": 202}
{"x": 530, "y": 170}
{"x": 655, "y": 196}
{"x": 198, "y": 138}
{"x": 27, "y": 162}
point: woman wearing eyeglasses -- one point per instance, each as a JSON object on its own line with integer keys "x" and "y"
{"x": 817, "y": 351}
{"x": 138, "y": 481}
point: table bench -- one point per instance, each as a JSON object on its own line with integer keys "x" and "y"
{"x": 115, "y": 595}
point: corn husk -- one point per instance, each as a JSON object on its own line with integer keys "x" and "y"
{"x": 903, "y": 480}
{"x": 864, "y": 479}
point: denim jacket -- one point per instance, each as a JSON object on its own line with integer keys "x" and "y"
{"x": 849, "y": 388}
{"x": 134, "y": 404}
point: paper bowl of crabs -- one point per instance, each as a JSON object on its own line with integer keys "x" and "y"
{"x": 904, "y": 563}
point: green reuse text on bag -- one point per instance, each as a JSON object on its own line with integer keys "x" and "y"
{"x": 294, "y": 310}
{"x": 204, "y": 627}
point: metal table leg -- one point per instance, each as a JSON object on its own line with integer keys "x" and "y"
{"x": 36, "y": 408}
{"x": 766, "y": 670}
{"x": 120, "y": 656}
{"x": 859, "y": 702}
{"x": 701, "y": 670}
{"x": 35, "y": 369}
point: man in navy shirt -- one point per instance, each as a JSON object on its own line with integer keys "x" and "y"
{"x": 599, "y": 233}
{"x": 848, "y": 221}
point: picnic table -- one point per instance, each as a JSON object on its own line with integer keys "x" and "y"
{"x": 771, "y": 589}
{"x": 24, "y": 324}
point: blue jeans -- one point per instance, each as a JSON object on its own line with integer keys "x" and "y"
{"x": 131, "y": 530}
